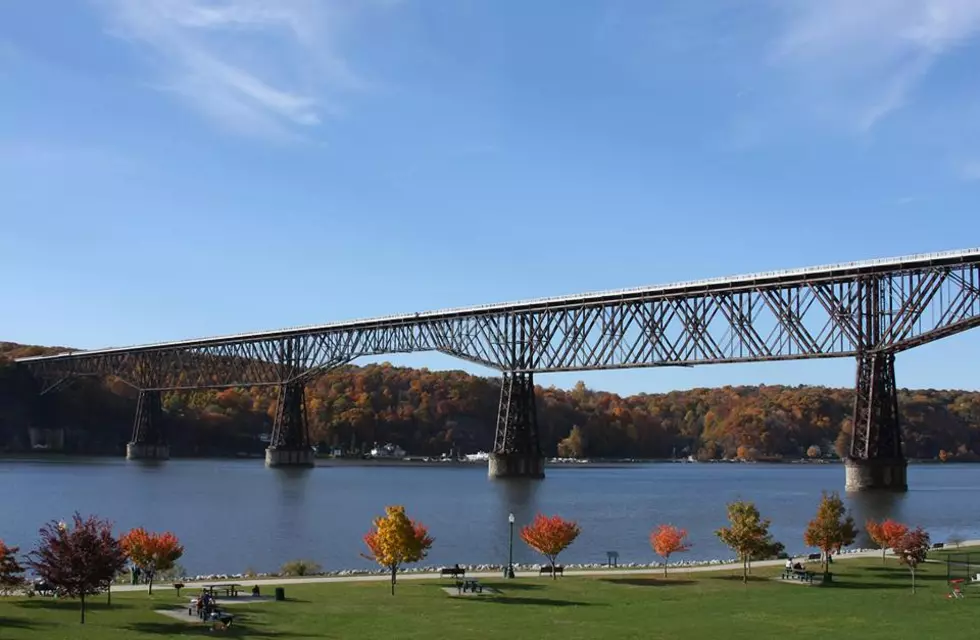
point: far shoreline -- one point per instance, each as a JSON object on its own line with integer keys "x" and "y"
{"x": 420, "y": 461}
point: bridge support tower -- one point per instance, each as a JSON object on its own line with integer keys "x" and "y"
{"x": 290, "y": 445}
{"x": 877, "y": 460}
{"x": 149, "y": 440}
{"x": 516, "y": 448}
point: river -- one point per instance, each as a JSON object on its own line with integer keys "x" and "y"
{"x": 234, "y": 515}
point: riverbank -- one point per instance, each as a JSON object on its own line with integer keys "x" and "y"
{"x": 495, "y": 570}
{"x": 867, "y": 599}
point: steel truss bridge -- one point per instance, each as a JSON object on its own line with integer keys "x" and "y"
{"x": 868, "y": 310}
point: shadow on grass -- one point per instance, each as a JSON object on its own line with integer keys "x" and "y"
{"x": 738, "y": 578}
{"x": 13, "y": 623}
{"x": 542, "y": 602}
{"x": 515, "y": 586}
{"x": 647, "y": 582}
{"x": 51, "y": 604}
{"x": 237, "y": 629}
{"x": 870, "y": 586}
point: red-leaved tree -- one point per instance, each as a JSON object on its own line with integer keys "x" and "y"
{"x": 79, "y": 559}
{"x": 668, "y": 539}
{"x": 550, "y": 536}
{"x": 151, "y": 552}
{"x": 912, "y": 549}
{"x": 11, "y": 573}
{"x": 885, "y": 534}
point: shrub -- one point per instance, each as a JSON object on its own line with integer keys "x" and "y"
{"x": 300, "y": 568}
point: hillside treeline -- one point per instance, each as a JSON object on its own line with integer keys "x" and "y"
{"x": 430, "y": 413}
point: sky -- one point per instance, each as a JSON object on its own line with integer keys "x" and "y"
{"x": 182, "y": 168}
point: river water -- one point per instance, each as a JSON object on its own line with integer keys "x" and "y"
{"x": 234, "y": 515}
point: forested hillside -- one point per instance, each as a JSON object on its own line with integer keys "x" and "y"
{"x": 428, "y": 413}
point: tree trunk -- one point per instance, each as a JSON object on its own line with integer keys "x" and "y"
{"x": 882, "y": 555}
{"x": 665, "y": 565}
{"x": 108, "y": 595}
{"x": 554, "y": 576}
{"x": 745, "y": 571}
{"x": 393, "y": 570}
{"x": 83, "y": 608}
{"x": 913, "y": 579}
{"x": 150, "y": 590}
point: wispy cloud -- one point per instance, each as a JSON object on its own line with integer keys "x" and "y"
{"x": 268, "y": 68}
{"x": 858, "y": 61}
{"x": 970, "y": 170}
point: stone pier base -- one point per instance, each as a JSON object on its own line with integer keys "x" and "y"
{"x": 516, "y": 465}
{"x": 289, "y": 457}
{"x": 141, "y": 451}
{"x": 875, "y": 475}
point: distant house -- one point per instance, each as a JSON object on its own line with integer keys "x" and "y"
{"x": 388, "y": 451}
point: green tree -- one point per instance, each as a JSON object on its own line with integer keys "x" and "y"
{"x": 748, "y": 535}
{"x": 573, "y": 446}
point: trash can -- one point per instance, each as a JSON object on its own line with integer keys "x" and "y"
{"x": 280, "y": 593}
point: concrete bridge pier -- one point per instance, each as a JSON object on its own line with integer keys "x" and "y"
{"x": 516, "y": 449}
{"x": 877, "y": 460}
{"x": 290, "y": 444}
{"x": 149, "y": 441}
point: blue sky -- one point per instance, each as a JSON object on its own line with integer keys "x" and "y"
{"x": 181, "y": 168}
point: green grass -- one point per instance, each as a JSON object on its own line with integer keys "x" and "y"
{"x": 868, "y": 600}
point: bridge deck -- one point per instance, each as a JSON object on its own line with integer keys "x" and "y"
{"x": 825, "y": 273}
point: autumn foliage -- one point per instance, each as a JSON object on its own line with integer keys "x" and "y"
{"x": 885, "y": 534}
{"x": 151, "y": 552}
{"x": 748, "y": 535}
{"x": 78, "y": 559}
{"x": 11, "y": 573}
{"x": 912, "y": 547}
{"x": 397, "y": 540}
{"x": 832, "y": 528}
{"x": 427, "y": 412}
{"x": 667, "y": 540}
{"x": 550, "y": 536}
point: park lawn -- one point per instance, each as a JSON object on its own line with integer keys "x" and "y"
{"x": 868, "y": 600}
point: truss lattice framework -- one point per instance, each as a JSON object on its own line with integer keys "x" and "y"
{"x": 813, "y": 313}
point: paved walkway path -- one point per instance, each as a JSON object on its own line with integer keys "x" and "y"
{"x": 734, "y": 566}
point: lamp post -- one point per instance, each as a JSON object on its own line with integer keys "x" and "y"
{"x": 509, "y": 572}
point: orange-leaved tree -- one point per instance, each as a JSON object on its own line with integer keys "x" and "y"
{"x": 832, "y": 529}
{"x": 151, "y": 552}
{"x": 550, "y": 536}
{"x": 396, "y": 540}
{"x": 668, "y": 539}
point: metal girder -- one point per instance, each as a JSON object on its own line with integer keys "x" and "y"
{"x": 876, "y": 433}
{"x": 812, "y": 313}
{"x": 290, "y": 430}
{"x": 148, "y": 426}
{"x": 517, "y": 417}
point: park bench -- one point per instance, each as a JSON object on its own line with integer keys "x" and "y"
{"x": 41, "y": 588}
{"x": 797, "y": 574}
{"x": 559, "y": 571}
{"x": 473, "y": 586}
{"x": 938, "y": 545}
{"x": 453, "y": 572}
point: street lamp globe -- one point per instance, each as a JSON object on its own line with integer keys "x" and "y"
{"x": 509, "y": 571}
